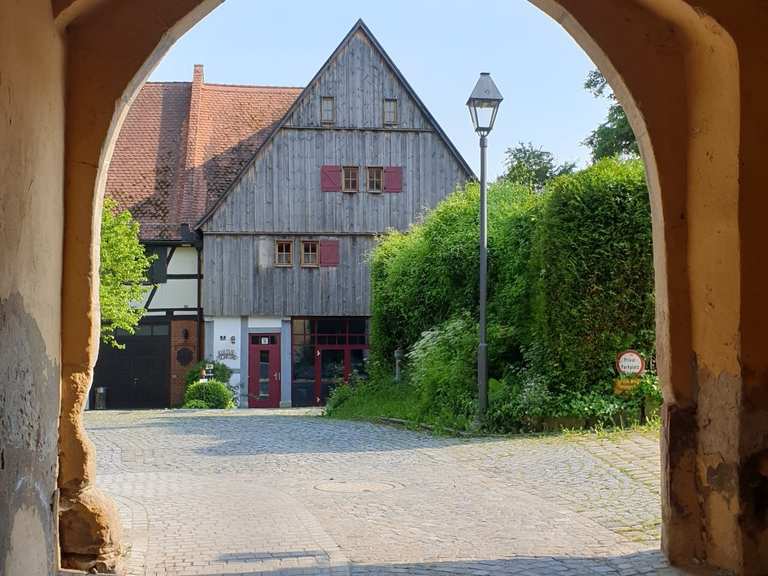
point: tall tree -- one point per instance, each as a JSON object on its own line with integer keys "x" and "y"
{"x": 123, "y": 273}
{"x": 613, "y": 137}
{"x": 533, "y": 167}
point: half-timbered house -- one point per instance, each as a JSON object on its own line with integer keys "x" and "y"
{"x": 280, "y": 194}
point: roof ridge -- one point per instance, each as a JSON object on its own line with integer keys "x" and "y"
{"x": 267, "y": 86}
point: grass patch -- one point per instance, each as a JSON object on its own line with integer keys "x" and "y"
{"x": 366, "y": 400}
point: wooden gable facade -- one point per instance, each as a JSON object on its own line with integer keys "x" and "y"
{"x": 356, "y": 154}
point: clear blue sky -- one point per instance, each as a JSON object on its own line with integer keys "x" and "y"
{"x": 440, "y": 46}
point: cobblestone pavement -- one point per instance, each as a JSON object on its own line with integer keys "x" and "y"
{"x": 284, "y": 493}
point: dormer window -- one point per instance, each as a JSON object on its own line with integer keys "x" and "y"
{"x": 390, "y": 111}
{"x": 327, "y": 110}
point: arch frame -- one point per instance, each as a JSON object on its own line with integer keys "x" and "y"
{"x": 691, "y": 136}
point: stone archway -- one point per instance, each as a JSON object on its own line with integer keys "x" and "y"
{"x": 688, "y": 73}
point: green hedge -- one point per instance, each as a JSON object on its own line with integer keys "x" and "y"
{"x": 570, "y": 284}
{"x": 591, "y": 276}
{"x": 428, "y": 275}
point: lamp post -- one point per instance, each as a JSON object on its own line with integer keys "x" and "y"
{"x": 483, "y": 105}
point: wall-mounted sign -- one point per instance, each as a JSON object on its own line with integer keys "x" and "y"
{"x": 226, "y": 354}
{"x": 625, "y": 385}
{"x": 265, "y": 340}
{"x": 630, "y": 363}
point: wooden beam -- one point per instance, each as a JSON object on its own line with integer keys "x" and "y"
{"x": 283, "y": 234}
{"x": 360, "y": 129}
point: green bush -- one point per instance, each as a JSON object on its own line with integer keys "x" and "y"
{"x": 570, "y": 284}
{"x": 213, "y": 393}
{"x": 198, "y": 404}
{"x": 591, "y": 277}
{"x": 429, "y": 275}
{"x": 221, "y": 372}
{"x": 443, "y": 371}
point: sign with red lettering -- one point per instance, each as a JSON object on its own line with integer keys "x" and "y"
{"x": 630, "y": 363}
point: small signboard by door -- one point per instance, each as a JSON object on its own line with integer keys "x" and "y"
{"x": 264, "y": 371}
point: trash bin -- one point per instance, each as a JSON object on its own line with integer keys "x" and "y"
{"x": 101, "y": 398}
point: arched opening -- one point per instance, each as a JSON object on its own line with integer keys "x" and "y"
{"x": 621, "y": 40}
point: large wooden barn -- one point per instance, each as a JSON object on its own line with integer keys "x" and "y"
{"x": 263, "y": 204}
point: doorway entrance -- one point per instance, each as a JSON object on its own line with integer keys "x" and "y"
{"x": 326, "y": 352}
{"x": 264, "y": 371}
{"x": 136, "y": 376}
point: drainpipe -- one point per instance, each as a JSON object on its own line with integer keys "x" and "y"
{"x": 199, "y": 249}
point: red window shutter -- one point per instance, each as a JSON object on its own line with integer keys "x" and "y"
{"x": 393, "y": 179}
{"x": 329, "y": 252}
{"x": 330, "y": 178}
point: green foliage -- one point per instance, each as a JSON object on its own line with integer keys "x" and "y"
{"x": 378, "y": 397}
{"x": 213, "y": 394}
{"x": 570, "y": 284}
{"x": 591, "y": 276}
{"x": 533, "y": 167}
{"x": 613, "y": 137}
{"x": 428, "y": 275}
{"x": 443, "y": 371}
{"x": 196, "y": 404}
{"x": 221, "y": 372}
{"x": 123, "y": 273}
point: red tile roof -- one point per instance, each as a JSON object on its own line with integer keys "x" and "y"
{"x": 182, "y": 145}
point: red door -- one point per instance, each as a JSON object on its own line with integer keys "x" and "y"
{"x": 335, "y": 364}
{"x": 264, "y": 371}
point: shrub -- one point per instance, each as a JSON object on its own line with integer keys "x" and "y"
{"x": 213, "y": 393}
{"x": 221, "y": 372}
{"x": 570, "y": 284}
{"x": 199, "y": 404}
{"x": 429, "y": 275}
{"x": 591, "y": 277}
{"x": 442, "y": 369}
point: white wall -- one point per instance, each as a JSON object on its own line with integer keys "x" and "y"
{"x": 177, "y": 293}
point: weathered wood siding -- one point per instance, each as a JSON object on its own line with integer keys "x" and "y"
{"x": 241, "y": 279}
{"x": 280, "y": 193}
{"x": 359, "y": 80}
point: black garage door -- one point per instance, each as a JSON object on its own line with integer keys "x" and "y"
{"x": 138, "y": 375}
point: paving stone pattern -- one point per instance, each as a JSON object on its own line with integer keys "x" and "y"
{"x": 284, "y": 493}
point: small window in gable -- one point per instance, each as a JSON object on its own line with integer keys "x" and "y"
{"x": 375, "y": 178}
{"x": 350, "y": 180}
{"x": 327, "y": 110}
{"x": 390, "y": 111}
{"x": 283, "y": 253}
{"x": 309, "y": 253}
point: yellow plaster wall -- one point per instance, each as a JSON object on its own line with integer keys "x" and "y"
{"x": 31, "y": 232}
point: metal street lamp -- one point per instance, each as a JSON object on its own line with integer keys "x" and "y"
{"x": 483, "y": 105}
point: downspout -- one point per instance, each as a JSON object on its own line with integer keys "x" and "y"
{"x": 199, "y": 248}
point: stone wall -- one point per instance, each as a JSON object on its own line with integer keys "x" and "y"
{"x": 31, "y": 231}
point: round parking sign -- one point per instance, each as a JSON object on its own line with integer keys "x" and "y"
{"x": 630, "y": 362}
